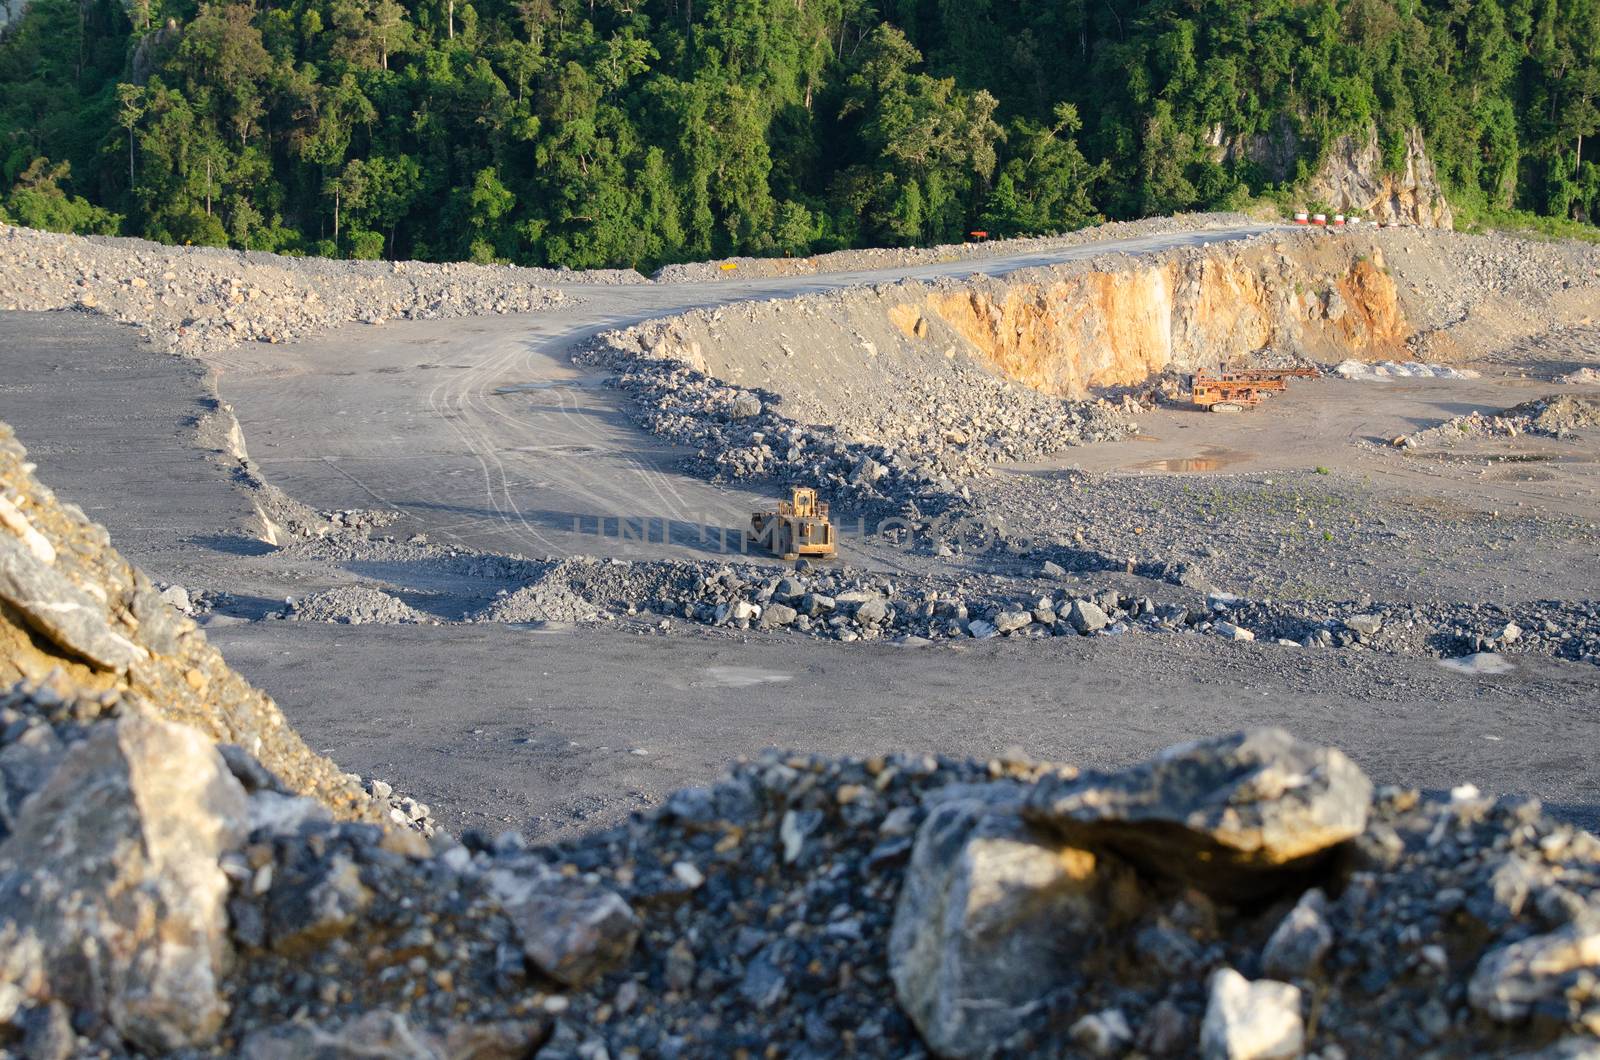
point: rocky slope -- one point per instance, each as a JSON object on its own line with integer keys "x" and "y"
{"x": 172, "y": 880}
{"x": 191, "y": 298}
{"x": 1353, "y": 179}
{"x": 82, "y": 629}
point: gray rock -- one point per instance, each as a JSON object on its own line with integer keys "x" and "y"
{"x": 1233, "y": 632}
{"x": 778, "y": 615}
{"x": 60, "y": 611}
{"x": 1007, "y": 621}
{"x": 1251, "y": 1020}
{"x": 1223, "y": 814}
{"x": 1102, "y": 1033}
{"x": 1364, "y": 625}
{"x": 573, "y": 930}
{"x": 1511, "y": 979}
{"x": 1049, "y": 569}
{"x": 764, "y": 984}
{"x": 249, "y": 772}
{"x": 745, "y": 406}
{"x": 304, "y": 912}
{"x": 872, "y": 611}
{"x": 111, "y": 896}
{"x": 814, "y": 604}
{"x": 992, "y": 917}
{"x": 1300, "y": 940}
{"x": 26, "y": 763}
{"x": 47, "y": 1033}
{"x": 1086, "y": 617}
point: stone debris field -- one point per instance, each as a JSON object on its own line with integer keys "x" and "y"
{"x": 1116, "y": 728}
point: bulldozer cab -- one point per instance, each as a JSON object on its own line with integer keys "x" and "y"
{"x": 802, "y": 502}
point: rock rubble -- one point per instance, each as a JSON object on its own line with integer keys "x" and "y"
{"x": 190, "y": 299}
{"x": 1244, "y": 896}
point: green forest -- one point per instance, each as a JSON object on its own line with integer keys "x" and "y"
{"x": 593, "y": 133}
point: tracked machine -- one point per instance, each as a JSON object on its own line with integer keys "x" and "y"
{"x": 799, "y": 527}
{"x": 1242, "y": 388}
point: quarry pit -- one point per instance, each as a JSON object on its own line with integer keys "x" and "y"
{"x": 469, "y": 531}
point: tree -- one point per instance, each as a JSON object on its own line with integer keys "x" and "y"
{"x": 1046, "y": 185}
{"x": 37, "y": 200}
{"x": 130, "y": 99}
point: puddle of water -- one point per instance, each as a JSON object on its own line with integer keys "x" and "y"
{"x": 1209, "y": 459}
{"x": 743, "y": 677}
{"x": 1483, "y": 662}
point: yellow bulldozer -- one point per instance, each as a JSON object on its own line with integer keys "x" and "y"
{"x": 799, "y": 527}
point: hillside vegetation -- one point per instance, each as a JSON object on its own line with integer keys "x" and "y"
{"x": 637, "y": 132}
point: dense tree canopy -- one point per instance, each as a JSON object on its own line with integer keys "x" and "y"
{"x": 637, "y": 132}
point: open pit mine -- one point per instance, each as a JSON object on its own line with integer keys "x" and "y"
{"x": 451, "y": 661}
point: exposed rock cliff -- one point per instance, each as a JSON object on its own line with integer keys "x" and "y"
{"x": 1119, "y": 326}
{"x": 1353, "y": 179}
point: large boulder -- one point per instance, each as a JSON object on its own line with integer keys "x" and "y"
{"x": 1225, "y": 815}
{"x": 111, "y": 894}
{"x": 572, "y": 929}
{"x": 996, "y": 920}
{"x": 72, "y": 607}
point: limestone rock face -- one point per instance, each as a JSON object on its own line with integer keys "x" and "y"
{"x": 1222, "y": 814}
{"x": 1117, "y": 327}
{"x": 1353, "y": 180}
{"x": 994, "y": 918}
{"x": 111, "y": 895}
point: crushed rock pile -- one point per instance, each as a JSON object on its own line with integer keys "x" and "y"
{"x": 162, "y": 890}
{"x": 915, "y": 452}
{"x": 1246, "y": 896}
{"x": 193, "y": 298}
{"x": 846, "y": 604}
{"x": 1555, "y": 416}
{"x": 355, "y": 605}
{"x": 545, "y": 600}
{"x": 1375, "y": 371}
